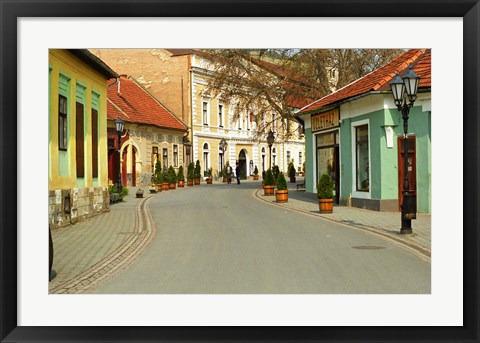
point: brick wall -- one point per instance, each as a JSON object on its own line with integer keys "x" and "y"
{"x": 83, "y": 202}
{"x": 157, "y": 71}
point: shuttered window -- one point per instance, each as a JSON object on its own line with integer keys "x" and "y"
{"x": 80, "y": 138}
{"x": 62, "y": 123}
{"x": 94, "y": 143}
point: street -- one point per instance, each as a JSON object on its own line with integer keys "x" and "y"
{"x": 220, "y": 239}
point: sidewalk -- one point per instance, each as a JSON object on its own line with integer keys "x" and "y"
{"x": 386, "y": 224}
{"x": 83, "y": 250}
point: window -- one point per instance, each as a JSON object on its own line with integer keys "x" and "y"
{"x": 175, "y": 155}
{"x": 165, "y": 158}
{"x": 62, "y": 123}
{"x": 94, "y": 143}
{"x": 274, "y": 156}
{"x": 205, "y": 159}
{"x": 154, "y": 158}
{"x": 80, "y": 139}
{"x": 362, "y": 158}
{"x": 220, "y": 115}
{"x": 205, "y": 112}
{"x": 240, "y": 121}
{"x": 263, "y": 158}
{"x": 188, "y": 155}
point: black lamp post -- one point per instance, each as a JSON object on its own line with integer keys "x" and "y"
{"x": 223, "y": 146}
{"x": 119, "y": 124}
{"x": 404, "y": 92}
{"x": 270, "y": 140}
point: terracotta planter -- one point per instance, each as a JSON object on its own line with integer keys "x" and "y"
{"x": 255, "y": 177}
{"x": 159, "y": 188}
{"x": 172, "y": 185}
{"x": 281, "y": 195}
{"x": 326, "y": 205}
{"x": 268, "y": 190}
{"x": 189, "y": 182}
{"x": 181, "y": 184}
{"x": 209, "y": 181}
{"x": 224, "y": 179}
{"x": 196, "y": 181}
{"x": 165, "y": 186}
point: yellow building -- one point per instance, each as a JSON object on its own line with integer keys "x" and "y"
{"x": 78, "y": 169}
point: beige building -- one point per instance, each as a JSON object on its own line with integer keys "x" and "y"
{"x": 178, "y": 77}
{"x": 152, "y": 132}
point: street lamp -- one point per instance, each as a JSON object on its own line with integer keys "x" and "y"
{"x": 270, "y": 140}
{"x": 119, "y": 124}
{"x": 223, "y": 146}
{"x": 404, "y": 92}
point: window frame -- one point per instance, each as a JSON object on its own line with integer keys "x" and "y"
{"x": 359, "y": 193}
{"x": 62, "y": 124}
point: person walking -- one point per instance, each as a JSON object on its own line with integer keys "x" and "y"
{"x": 237, "y": 172}
{"x": 229, "y": 173}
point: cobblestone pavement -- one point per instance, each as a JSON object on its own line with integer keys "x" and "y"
{"x": 90, "y": 252}
{"x": 386, "y": 224}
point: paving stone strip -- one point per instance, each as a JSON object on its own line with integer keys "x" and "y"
{"x": 118, "y": 260}
{"x": 417, "y": 248}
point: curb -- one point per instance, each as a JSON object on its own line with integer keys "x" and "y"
{"x": 425, "y": 253}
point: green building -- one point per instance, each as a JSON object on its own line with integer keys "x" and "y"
{"x": 355, "y": 134}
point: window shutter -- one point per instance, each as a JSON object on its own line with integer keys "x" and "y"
{"x": 94, "y": 143}
{"x": 79, "y": 135}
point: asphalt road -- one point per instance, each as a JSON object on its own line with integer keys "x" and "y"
{"x": 220, "y": 239}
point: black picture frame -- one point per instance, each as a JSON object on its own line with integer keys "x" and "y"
{"x": 11, "y": 10}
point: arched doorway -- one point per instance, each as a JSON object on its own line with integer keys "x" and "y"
{"x": 242, "y": 159}
{"x": 129, "y": 166}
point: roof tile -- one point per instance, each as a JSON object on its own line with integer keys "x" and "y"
{"x": 378, "y": 80}
{"x": 131, "y": 102}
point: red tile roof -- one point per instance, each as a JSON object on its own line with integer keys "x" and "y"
{"x": 134, "y": 104}
{"x": 379, "y": 79}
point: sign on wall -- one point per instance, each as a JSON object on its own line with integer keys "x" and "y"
{"x": 325, "y": 120}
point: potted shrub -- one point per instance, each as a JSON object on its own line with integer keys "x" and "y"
{"x": 180, "y": 177}
{"x": 291, "y": 172}
{"x": 269, "y": 183}
{"x": 281, "y": 193}
{"x": 209, "y": 176}
{"x": 275, "y": 171}
{"x": 172, "y": 178}
{"x": 157, "y": 177}
{"x": 303, "y": 169}
{"x": 165, "y": 179}
{"x": 325, "y": 193}
{"x": 190, "y": 174}
{"x": 255, "y": 174}
{"x": 197, "y": 173}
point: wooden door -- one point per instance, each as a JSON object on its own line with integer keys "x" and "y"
{"x": 412, "y": 168}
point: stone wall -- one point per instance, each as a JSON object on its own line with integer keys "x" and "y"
{"x": 68, "y": 206}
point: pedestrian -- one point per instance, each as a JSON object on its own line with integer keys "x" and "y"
{"x": 229, "y": 173}
{"x": 237, "y": 172}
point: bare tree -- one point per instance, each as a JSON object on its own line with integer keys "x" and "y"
{"x": 270, "y": 83}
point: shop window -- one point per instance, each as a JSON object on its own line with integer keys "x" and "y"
{"x": 80, "y": 139}
{"x": 362, "y": 158}
{"x": 94, "y": 143}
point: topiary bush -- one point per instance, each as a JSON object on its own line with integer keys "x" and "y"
{"x": 180, "y": 175}
{"x": 269, "y": 180}
{"x": 291, "y": 170}
{"x": 197, "y": 171}
{"x": 281, "y": 182}
{"x": 158, "y": 172}
{"x": 275, "y": 171}
{"x": 191, "y": 171}
{"x": 255, "y": 171}
{"x": 172, "y": 176}
{"x": 325, "y": 187}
